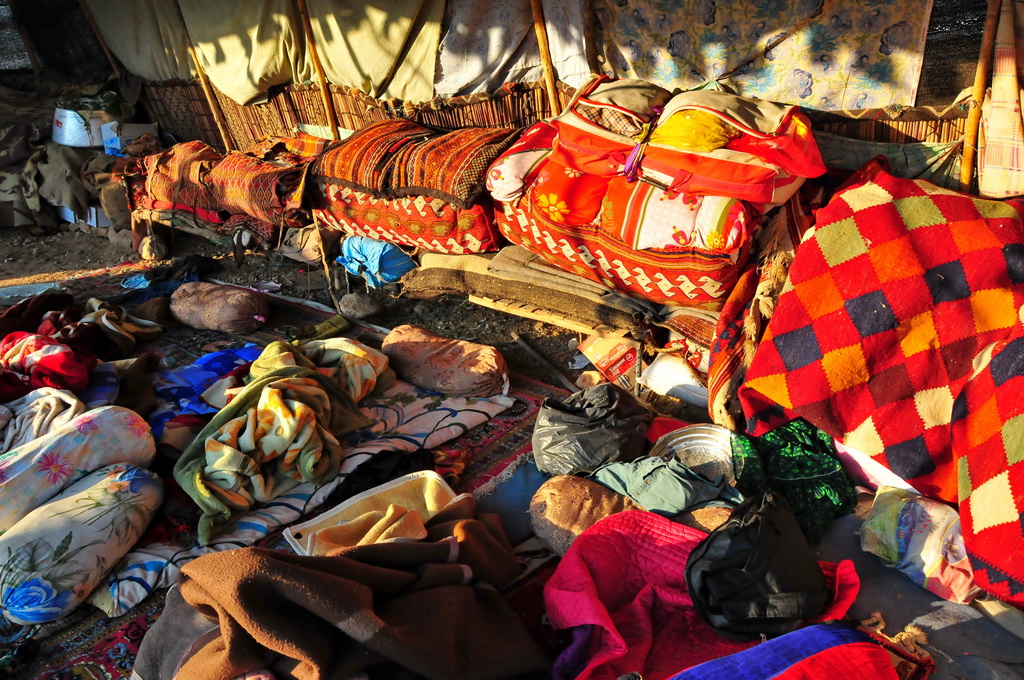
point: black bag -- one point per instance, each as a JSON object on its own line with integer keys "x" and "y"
{"x": 591, "y": 427}
{"x": 756, "y": 575}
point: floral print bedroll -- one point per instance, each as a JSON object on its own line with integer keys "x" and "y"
{"x": 822, "y": 54}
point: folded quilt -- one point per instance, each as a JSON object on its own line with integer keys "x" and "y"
{"x": 35, "y": 414}
{"x": 35, "y": 472}
{"x": 397, "y": 158}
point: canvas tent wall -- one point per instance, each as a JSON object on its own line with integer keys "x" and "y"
{"x": 255, "y": 51}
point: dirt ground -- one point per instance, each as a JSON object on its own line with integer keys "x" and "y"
{"x": 81, "y": 251}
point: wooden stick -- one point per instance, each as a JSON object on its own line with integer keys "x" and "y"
{"x": 978, "y": 95}
{"x": 99, "y": 36}
{"x": 521, "y": 341}
{"x": 545, "y": 56}
{"x": 30, "y": 50}
{"x": 211, "y": 99}
{"x": 325, "y": 88}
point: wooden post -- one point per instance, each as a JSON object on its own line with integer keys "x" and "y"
{"x": 211, "y": 98}
{"x": 325, "y": 89}
{"x": 545, "y": 56}
{"x": 30, "y": 50}
{"x": 99, "y": 36}
{"x": 978, "y": 96}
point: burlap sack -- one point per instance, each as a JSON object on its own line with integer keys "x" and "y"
{"x": 454, "y": 367}
{"x": 215, "y": 307}
{"x": 565, "y": 506}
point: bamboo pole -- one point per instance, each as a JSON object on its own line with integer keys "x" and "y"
{"x": 30, "y": 50}
{"x": 325, "y": 90}
{"x": 545, "y": 56}
{"x": 99, "y": 36}
{"x": 978, "y": 95}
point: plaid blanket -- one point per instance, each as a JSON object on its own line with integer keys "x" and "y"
{"x": 898, "y": 305}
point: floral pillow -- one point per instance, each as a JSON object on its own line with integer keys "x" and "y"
{"x": 513, "y": 171}
{"x": 57, "y": 554}
{"x": 566, "y": 195}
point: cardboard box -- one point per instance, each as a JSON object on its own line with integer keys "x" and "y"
{"x": 116, "y": 135}
{"x": 617, "y": 359}
{"x": 95, "y": 217}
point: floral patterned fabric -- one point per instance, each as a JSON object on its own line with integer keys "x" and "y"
{"x": 34, "y": 473}
{"x": 55, "y": 556}
{"x": 822, "y": 54}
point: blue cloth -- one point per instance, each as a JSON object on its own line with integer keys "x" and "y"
{"x": 771, "y": 659}
{"x": 178, "y": 389}
{"x": 103, "y": 387}
{"x": 379, "y": 262}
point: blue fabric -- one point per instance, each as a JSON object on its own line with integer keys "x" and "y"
{"x": 771, "y": 658}
{"x": 510, "y": 500}
{"x": 178, "y": 389}
{"x": 103, "y": 387}
{"x": 379, "y": 262}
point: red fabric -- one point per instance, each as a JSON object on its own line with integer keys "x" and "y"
{"x": 566, "y": 196}
{"x": 989, "y": 452}
{"x": 856, "y": 661}
{"x": 644, "y": 617}
{"x": 888, "y": 302}
{"x": 662, "y": 425}
{"x": 29, "y": 361}
{"x": 421, "y": 222}
{"x": 685, "y": 276}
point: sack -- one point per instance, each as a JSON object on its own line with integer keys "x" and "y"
{"x": 303, "y": 243}
{"x": 458, "y": 368}
{"x": 756, "y": 575}
{"x": 215, "y": 307}
{"x": 922, "y": 538}
{"x": 597, "y": 425}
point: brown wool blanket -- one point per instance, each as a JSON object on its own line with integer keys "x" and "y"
{"x": 314, "y": 618}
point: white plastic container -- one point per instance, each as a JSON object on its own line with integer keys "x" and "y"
{"x": 70, "y": 129}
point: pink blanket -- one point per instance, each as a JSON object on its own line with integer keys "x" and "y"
{"x": 626, "y": 577}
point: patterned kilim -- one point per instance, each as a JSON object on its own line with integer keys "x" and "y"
{"x": 880, "y": 338}
{"x": 179, "y": 175}
{"x": 450, "y": 167}
{"x": 686, "y": 276}
{"x": 417, "y": 222}
{"x": 364, "y": 160}
{"x": 270, "y": 193}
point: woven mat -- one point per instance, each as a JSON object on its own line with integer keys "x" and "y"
{"x": 494, "y": 450}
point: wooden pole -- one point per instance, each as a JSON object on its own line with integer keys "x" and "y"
{"x": 211, "y": 98}
{"x": 325, "y": 89}
{"x": 99, "y": 36}
{"x": 978, "y": 96}
{"x": 545, "y": 56}
{"x": 30, "y": 50}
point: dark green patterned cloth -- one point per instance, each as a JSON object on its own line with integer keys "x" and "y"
{"x": 799, "y": 461}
